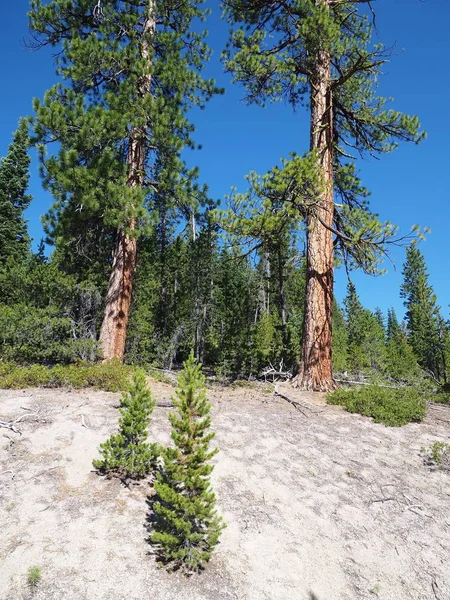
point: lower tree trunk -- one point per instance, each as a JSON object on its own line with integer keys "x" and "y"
{"x": 117, "y": 306}
{"x": 282, "y": 301}
{"x": 113, "y": 332}
{"x": 315, "y": 372}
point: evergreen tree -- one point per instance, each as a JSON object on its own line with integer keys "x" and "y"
{"x": 127, "y": 453}
{"x": 378, "y": 314}
{"x": 316, "y": 53}
{"x": 130, "y": 72}
{"x": 401, "y": 361}
{"x": 340, "y": 341}
{"x": 231, "y": 345}
{"x": 393, "y": 327}
{"x": 365, "y": 335}
{"x": 260, "y": 219}
{"x": 187, "y": 527}
{"x": 14, "y": 179}
{"x": 422, "y": 315}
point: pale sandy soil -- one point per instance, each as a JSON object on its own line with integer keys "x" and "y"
{"x": 320, "y": 504}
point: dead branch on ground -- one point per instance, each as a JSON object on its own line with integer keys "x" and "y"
{"x": 296, "y": 404}
{"x": 12, "y": 424}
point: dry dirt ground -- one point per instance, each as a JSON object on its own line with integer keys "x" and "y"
{"x": 320, "y": 504}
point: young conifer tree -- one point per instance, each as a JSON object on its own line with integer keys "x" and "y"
{"x": 127, "y": 453}
{"x": 401, "y": 361}
{"x": 187, "y": 527}
{"x": 424, "y": 322}
{"x": 365, "y": 336}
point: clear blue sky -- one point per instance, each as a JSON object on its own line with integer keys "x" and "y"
{"x": 408, "y": 186}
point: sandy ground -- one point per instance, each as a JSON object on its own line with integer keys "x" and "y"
{"x": 320, "y": 504}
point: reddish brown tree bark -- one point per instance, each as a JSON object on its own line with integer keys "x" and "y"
{"x": 315, "y": 371}
{"x": 113, "y": 332}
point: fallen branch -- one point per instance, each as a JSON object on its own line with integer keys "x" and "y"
{"x": 19, "y": 419}
{"x": 11, "y": 424}
{"x": 165, "y": 404}
{"x": 382, "y": 499}
{"x": 295, "y": 404}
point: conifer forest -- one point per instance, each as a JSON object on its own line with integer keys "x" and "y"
{"x": 144, "y": 265}
{"x": 146, "y": 284}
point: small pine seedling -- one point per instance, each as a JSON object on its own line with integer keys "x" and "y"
{"x": 34, "y": 575}
{"x": 127, "y": 453}
{"x": 187, "y": 526}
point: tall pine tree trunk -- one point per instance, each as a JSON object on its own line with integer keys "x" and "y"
{"x": 282, "y": 300}
{"x": 315, "y": 372}
{"x": 113, "y": 332}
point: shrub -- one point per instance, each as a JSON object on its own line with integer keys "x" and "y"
{"x": 112, "y": 376}
{"x": 443, "y": 394}
{"x": 187, "y": 526}
{"x": 127, "y": 453}
{"x": 393, "y": 407}
{"x": 437, "y": 455}
{"x": 31, "y": 334}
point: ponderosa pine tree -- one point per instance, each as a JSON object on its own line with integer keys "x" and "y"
{"x": 130, "y": 71}
{"x": 187, "y": 526}
{"x": 423, "y": 317}
{"x": 316, "y": 53}
{"x": 14, "y": 178}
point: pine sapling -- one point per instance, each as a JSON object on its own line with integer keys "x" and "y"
{"x": 127, "y": 453}
{"x": 187, "y": 526}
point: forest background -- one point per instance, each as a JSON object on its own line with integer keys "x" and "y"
{"x": 407, "y": 186}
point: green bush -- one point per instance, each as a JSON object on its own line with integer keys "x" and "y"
{"x": 443, "y": 394}
{"x": 393, "y": 407}
{"x": 35, "y": 335}
{"x": 439, "y": 453}
{"x": 111, "y": 376}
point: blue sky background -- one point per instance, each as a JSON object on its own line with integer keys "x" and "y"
{"x": 408, "y": 186}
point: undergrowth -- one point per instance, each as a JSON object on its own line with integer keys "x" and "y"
{"x": 34, "y": 575}
{"x": 443, "y": 394}
{"x": 392, "y": 407}
{"x": 110, "y": 376}
{"x": 160, "y": 376}
{"x": 437, "y": 455}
